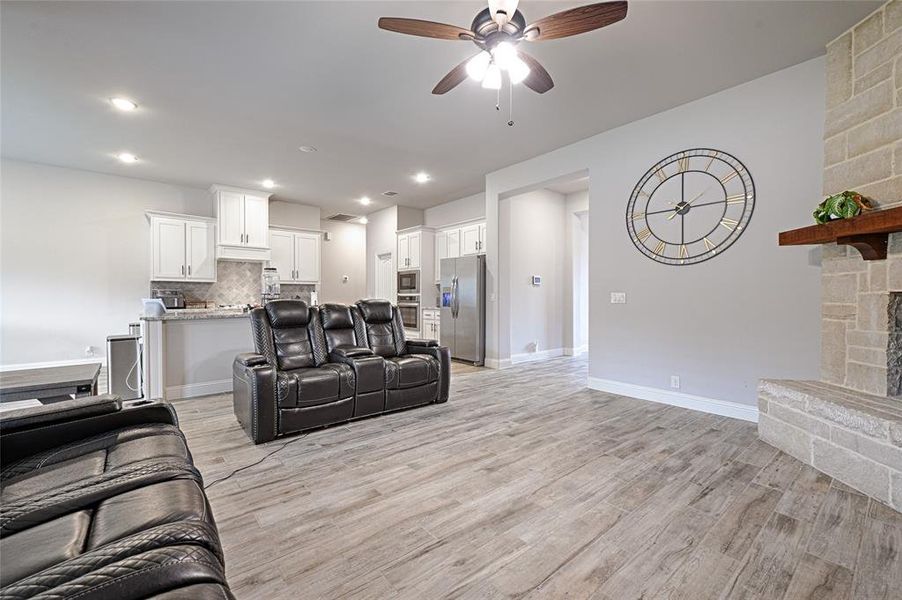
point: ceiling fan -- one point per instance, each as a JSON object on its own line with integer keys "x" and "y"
{"x": 497, "y": 30}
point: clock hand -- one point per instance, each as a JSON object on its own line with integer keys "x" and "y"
{"x": 675, "y": 212}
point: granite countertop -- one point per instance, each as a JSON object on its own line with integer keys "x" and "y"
{"x": 196, "y": 314}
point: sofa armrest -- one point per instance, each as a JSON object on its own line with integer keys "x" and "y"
{"x": 443, "y": 355}
{"x": 254, "y": 397}
{"x": 68, "y": 410}
{"x": 342, "y": 352}
{"x": 420, "y": 343}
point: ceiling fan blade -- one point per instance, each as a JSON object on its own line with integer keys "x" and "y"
{"x": 430, "y": 29}
{"x": 453, "y": 79}
{"x": 538, "y": 79}
{"x": 575, "y": 21}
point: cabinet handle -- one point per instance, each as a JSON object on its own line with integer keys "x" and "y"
{"x": 183, "y": 269}
{"x": 189, "y": 270}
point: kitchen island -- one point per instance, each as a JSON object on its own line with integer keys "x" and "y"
{"x": 189, "y": 352}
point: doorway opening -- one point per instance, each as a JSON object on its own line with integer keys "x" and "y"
{"x": 543, "y": 266}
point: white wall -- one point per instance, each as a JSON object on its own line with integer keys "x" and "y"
{"x": 380, "y": 238}
{"x": 456, "y": 211}
{"x": 576, "y": 266}
{"x": 535, "y": 244}
{"x": 291, "y": 214}
{"x": 344, "y": 255}
{"x": 722, "y": 324}
{"x": 74, "y": 256}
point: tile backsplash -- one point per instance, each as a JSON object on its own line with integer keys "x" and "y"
{"x": 236, "y": 283}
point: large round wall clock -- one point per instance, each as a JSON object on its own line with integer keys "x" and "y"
{"x": 690, "y": 206}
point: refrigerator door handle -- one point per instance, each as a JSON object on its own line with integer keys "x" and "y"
{"x": 455, "y": 299}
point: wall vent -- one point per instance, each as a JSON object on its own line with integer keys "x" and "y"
{"x": 390, "y": 193}
{"x": 342, "y": 217}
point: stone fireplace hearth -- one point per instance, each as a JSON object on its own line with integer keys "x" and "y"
{"x": 849, "y": 424}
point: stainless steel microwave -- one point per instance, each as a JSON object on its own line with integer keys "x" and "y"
{"x": 408, "y": 282}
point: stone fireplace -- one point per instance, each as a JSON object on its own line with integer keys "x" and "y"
{"x": 849, "y": 424}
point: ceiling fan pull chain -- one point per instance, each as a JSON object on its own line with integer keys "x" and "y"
{"x": 510, "y": 112}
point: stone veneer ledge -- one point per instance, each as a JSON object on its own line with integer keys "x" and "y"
{"x": 853, "y": 437}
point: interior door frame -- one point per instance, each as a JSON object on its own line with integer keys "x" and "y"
{"x": 392, "y": 293}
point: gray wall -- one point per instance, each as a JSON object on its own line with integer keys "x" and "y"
{"x": 722, "y": 324}
{"x": 344, "y": 255}
{"x": 534, "y": 241}
{"x": 456, "y": 211}
{"x": 380, "y": 238}
{"x": 291, "y": 214}
{"x": 75, "y": 256}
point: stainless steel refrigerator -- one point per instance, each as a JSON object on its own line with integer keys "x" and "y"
{"x": 463, "y": 308}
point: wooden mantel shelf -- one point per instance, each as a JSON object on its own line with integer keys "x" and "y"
{"x": 869, "y": 233}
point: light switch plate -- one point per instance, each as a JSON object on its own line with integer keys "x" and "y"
{"x": 618, "y": 297}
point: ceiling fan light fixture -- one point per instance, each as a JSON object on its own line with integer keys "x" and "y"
{"x": 492, "y": 79}
{"x": 517, "y": 70}
{"x": 478, "y": 65}
{"x": 504, "y": 54}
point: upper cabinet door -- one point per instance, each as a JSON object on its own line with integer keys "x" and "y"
{"x": 441, "y": 251}
{"x": 231, "y": 218}
{"x": 256, "y": 221}
{"x": 403, "y": 252}
{"x": 167, "y": 249}
{"x": 469, "y": 240}
{"x": 282, "y": 255}
{"x": 306, "y": 257}
{"x": 453, "y": 243}
{"x": 201, "y": 251}
{"x": 482, "y": 238}
{"x": 413, "y": 243}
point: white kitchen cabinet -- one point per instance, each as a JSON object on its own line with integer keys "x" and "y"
{"x": 243, "y": 219}
{"x": 471, "y": 239}
{"x": 182, "y": 248}
{"x": 410, "y": 250}
{"x": 482, "y": 238}
{"x": 431, "y": 324}
{"x": 453, "y": 243}
{"x": 441, "y": 251}
{"x": 296, "y": 255}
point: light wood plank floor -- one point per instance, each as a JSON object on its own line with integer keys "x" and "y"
{"x": 528, "y": 485}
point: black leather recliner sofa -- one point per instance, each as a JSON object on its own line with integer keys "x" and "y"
{"x": 321, "y": 365}
{"x": 103, "y": 502}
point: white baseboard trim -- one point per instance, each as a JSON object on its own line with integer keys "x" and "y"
{"x": 533, "y": 356}
{"x": 193, "y": 390}
{"x": 494, "y": 363}
{"x": 54, "y": 363}
{"x": 576, "y": 351}
{"x": 723, "y": 408}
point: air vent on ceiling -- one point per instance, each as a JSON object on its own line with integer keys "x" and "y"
{"x": 390, "y": 193}
{"x": 342, "y": 217}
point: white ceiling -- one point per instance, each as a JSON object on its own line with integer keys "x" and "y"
{"x": 229, "y": 90}
{"x": 580, "y": 184}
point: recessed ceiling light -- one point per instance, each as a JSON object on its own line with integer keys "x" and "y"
{"x": 363, "y": 220}
{"x": 365, "y": 201}
{"x": 422, "y": 177}
{"x": 123, "y": 104}
{"x": 127, "y": 157}
{"x": 307, "y": 149}
{"x": 268, "y": 184}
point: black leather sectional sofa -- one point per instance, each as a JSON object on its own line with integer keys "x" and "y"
{"x": 101, "y": 501}
{"x": 320, "y": 365}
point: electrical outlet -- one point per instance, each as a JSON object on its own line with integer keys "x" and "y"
{"x": 675, "y": 382}
{"x": 618, "y": 297}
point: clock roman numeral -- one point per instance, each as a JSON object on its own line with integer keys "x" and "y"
{"x": 728, "y": 177}
{"x": 709, "y": 245}
{"x": 659, "y": 249}
{"x": 729, "y": 223}
{"x": 683, "y": 164}
{"x": 643, "y": 194}
{"x": 683, "y": 251}
{"x": 643, "y": 235}
{"x": 637, "y": 216}
{"x": 661, "y": 175}
{"x": 710, "y": 162}
{"x": 736, "y": 199}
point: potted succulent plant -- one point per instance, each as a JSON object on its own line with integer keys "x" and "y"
{"x": 844, "y": 205}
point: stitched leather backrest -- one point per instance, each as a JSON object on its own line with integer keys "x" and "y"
{"x": 288, "y": 320}
{"x": 338, "y": 325}
{"x": 378, "y": 321}
{"x": 262, "y": 332}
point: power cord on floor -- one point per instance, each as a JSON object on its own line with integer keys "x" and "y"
{"x": 254, "y": 464}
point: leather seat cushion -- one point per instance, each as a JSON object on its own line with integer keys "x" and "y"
{"x": 310, "y": 387}
{"x": 410, "y": 370}
{"x": 85, "y": 459}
